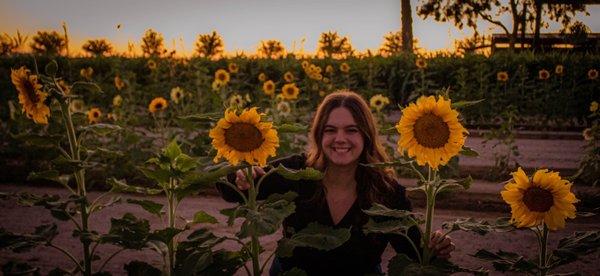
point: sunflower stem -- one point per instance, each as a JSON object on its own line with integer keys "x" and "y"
{"x": 543, "y": 248}
{"x": 430, "y": 198}
{"x": 254, "y": 245}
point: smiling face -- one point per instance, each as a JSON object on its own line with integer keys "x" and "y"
{"x": 342, "y": 141}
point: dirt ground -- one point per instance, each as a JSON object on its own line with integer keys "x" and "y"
{"x": 23, "y": 219}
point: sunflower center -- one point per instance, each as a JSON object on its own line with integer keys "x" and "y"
{"x": 431, "y": 131}
{"x": 158, "y": 106}
{"x": 377, "y": 102}
{"x": 538, "y": 199}
{"x": 243, "y": 137}
{"x": 96, "y": 114}
{"x": 30, "y": 90}
{"x": 221, "y": 77}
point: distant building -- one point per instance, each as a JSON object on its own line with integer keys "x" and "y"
{"x": 554, "y": 42}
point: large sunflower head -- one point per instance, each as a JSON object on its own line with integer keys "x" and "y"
{"x": 269, "y": 88}
{"x": 94, "y": 115}
{"x": 244, "y": 138}
{"x": 378, "y": 102}
{"x": 222, "y": 76}
{"x": 290, "y": 91}
{"x": 545, "y": 198}
{"x": 158, "y": 104}
{"x": 31, "y": 96}
{"x": 430, "y": 131}
{"x": 288, "y": 76}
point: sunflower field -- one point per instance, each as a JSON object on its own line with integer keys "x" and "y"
{"x": 158, "y": 132}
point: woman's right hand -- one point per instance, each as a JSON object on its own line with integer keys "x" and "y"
{"x": 240, "y": 177}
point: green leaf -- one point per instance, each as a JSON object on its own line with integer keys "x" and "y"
{"x": 161, "y": 176}
{"x": 399, "y": 263}
{"x": 52, "y": 175}
{"x": 51, "y": 68}
{"x": 12, "y": 268}
{"x": 194, "y": 182}
{"x": 203, "y": 118}
{"x": 469, "y": 152}
{"x": 461, "y": 104}
{"x": 233, "y": 213}
{"x": 288, "y": 196}
{"x": 68, "y": 166}
{"x": 148, "y": 205}
{"x": 303, "y": 174}
{"x": 172, "y": 150}
{"x": 102, "y": 129}
{"x": 204, "y": 217}
{"x": 81, "y": 87}
{"x": 314, "y": 235}
{"x": 268, "y": 218}
{"x": 452, "y": 184}
{"x": 390, "y": 226}
{"x": 165, "y": 235}
{"x": 292, "y": 128}
{"x": 295, "y": 272}
{"x": 38, "y": 140}
{"x": 138, "y": 268}
{"x": 128, "y": 232}
{"x": 185, "y": 163}
{"x": 507, "y": 261}
{"x": 578, "y": 244}
{"x": 480, "y": 227}
{"x": 398, "y": 163}
{"x": 382, "y": 210}
{"x": 121, "y": 186}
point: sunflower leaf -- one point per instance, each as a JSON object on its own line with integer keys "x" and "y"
{"x": 122, "y": 186}
{"x": 148, "y": 205}
{"x": 469, "y": 152}
{"x": 82, "y": 86}
{"x": 52, "y": 175}
{"x": 102, "y": 129}
{"x": 303, "y": 174}
{"x": 383, "y": 211}
{"x": 204, "y": 217}
{"x": 507, "y": 261}
{"x": 206, "y": 117}
{"x": 461, "y": 104}
{"x": 292, "y": 128}
{"x": 577, "y": 244}
{"x": 51, "y": 68}
{"x": 128, "y": 232}
{"x": 315, "y": 236}
{"x": 172, "y": 150}
{"x": 398, "y": 163}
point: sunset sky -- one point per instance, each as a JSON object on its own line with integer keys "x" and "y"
{"x": 242, "y": 23}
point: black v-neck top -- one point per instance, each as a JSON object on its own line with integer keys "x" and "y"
{"x": 360, "y": 255}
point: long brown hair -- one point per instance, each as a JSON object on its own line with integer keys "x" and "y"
{"x": 373, "y": 184}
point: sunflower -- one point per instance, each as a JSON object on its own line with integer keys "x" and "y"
{"x": 288, "y": 76}
{"x": 587, "y": 134}
{"x": 117, "y": 100}
{"x": 262, "y": 77}
{"x": 305, "y": 64}
{"x": 158, "y": 104}
{"x": 326, "y": 80}
{"x": 546, "y": 198}
{"x": 344, "y": 67}
{"x": 112, "y": 116}
{"x": 592, "y": 74}
{"x": 87, "y": 73}
{"x": 559, "y": 70}
{"x": 502, "y": 76}
{"x": 421, "y": 63}
{"x": 76, "y": 105}
{"x": 151, "y": 64}
{"x": 31, "y": 96}
{"x": 284, "y": 108}
{"x": 176, "y": 94}
{"x": 236, "y": 101}
{"x": 64, "y": 87}
{"x": 430, "y": 131}
{"x": 543, "y": 74}
{"x": 119, "y": 83}
{"x": 290, "y": 91}
{"x": 594, "y": 106}
{"x": 222, "y": 76}
{"x": 94, "y": 115}
{"x": 233, "y": 68}
{"x": 269, "y": 88}
{"x": 244, "y": 138}
{"x": 378, "y": 102}
{"x": 329, "y": 69}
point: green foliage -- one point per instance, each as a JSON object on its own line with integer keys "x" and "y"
{"x": 315, "y": 236}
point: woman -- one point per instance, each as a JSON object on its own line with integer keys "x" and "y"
{"x": 343, "y": 136}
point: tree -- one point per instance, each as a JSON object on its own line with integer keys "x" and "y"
{"x": 524, "y": 14}
{"x": 97, "y": 47}
{"x": 152, "y": 43}
{"x": 333, "y": 45}
{"x": 271, "y": 49}
{"x": 392, "y": 44}
{"x": 407, "y": 34}
{"x": 209, "y": 45}
{"x": 48, "y": 43}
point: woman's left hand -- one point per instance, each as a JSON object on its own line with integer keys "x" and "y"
{"x": 441, "y": 245}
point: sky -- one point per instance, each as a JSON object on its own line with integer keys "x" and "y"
{"x": 241, "y": 23}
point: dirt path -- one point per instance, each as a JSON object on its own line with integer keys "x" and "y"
{"x": 20, "y": 219}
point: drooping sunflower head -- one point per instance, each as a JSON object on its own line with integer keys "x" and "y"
{"x": 284, "y": 108}
{"x": 430, "y": 131}
{"x": 31, "y": 96}
{"x": 158, "y": 104}
{"x": 559, "y": 70}
{"x": 244, "y": 137}
{"x": 290, "y": 91}
{"x": 117, "y": 100}
{"x": 269, "y": 88}
{"x": 262, "y": 77}
{"x": 378, "y": 102}
{"x": 87, "y": 73}
{"x": 592, "y": 74}
{"x": 594, "y": 106}
{"x": 545, "y": 198}
{"x": 543, "y": 74}
{"x": 344, "y": 67}
{"x": 421, "y": 63}
{"x": 288, "y": 76}
{"x": 176, "y": 94}
{"x": 587, "y": 134}
{"x": 94, "y": 115}
{"x": 502, "y": 76}
{"x": 76, "y": 105}
{"x": 233, "y": 68}
{"x": 119, "y": 83}
{"x": 222, "y": 76}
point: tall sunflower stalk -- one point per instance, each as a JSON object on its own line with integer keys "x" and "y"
{"x": 35, "y": 97}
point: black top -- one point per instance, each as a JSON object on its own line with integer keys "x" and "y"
{"x": 360, "y": 255}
